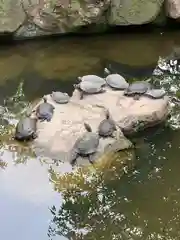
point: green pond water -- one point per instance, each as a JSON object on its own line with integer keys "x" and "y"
{"x": 143, "y": 204}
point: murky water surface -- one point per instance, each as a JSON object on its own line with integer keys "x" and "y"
{"x": 38, "y": 203}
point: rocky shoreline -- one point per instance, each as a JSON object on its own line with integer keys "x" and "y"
{"x": 22, "y": 19}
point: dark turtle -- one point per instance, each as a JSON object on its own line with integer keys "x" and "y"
{"x": 60, "y": 97}
{"x": 86, "y": 87}
{"x": 92, "y": 79}
{"x": 86, "y": 145}
{"x": 45, "y": 110}
{"x": 155, "y": 93}
{"x": 107, "y": 127}
{"x": 26, "y": 128}
{"x": 136, "y": 89}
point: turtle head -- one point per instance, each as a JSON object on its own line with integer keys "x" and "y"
{"x": 45, "y": 99}
{"x": 79, "y": 78}
{"x": 106, "y": 71}
{"x": 107, "y": 113}
{"x": 76, "y": 86}
{"x": 87, "y": 127}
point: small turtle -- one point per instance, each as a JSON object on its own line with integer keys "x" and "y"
{"x": 86, "y": 87}
{"x": 86, "y": 145}
{"x": 92, "y": 79}
{"x": 60, "y": 97}
{"x": 45, "y": 110}
{"x": 107, "y": 127}
{"x": 155, "y": 93}
{"x": 116, "y": 81}
{"x": 137, "y": 89}
{"x": 26, "y": 128}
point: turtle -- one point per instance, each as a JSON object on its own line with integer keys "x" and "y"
{"x": 92, "y": 79}
{"x": 26, "y": 128}
{"x": 107, "y": 127}
{"x": 137, "y": 89}
{"x": 45, "y": 110}
{"x": 86, "y": 87}
{"x": 116, "y": 81}
{"x": 86, "y": 145}
{"x": 60, "y": 97}
{"x": 155, "y": 93}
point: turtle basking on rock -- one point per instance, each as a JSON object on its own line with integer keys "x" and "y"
{"x": 86, "y": 87}
{"x": 60, "y": 97}
{"x": 45, "y": 110}
{"x": 92, "y": 79}
{"x": 107, "y": 127}
{"x": 155, "y": 93}
{"x": 26, "y": 128}
{"x": 86, "y": 145}
{"x": 138, "y": 88}
{"x": 116, "y": 81}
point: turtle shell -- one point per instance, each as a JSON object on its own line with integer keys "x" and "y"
{"x": 139, "y": 87}
{"x": 45, "y": 110}
{"x": 93, "y": 79}
{"x": 90, "y": 87}
{"x": 106, "y": 127}
{"x": 155, "y": 93}
{"x": 60, "y": 97}
{"x": 87, "y": 144}
{"x": 116, "y": 81}
{"x": 25, "y": 128}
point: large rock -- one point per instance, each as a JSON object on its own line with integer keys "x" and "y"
{"x": 173, "y": 8}
{"x": 32, "y": 18}
{"x": 133, "y": 12}
{"x": 11, "y": 15}
{"x": 55, "y": 17}
{"x": 57, "y": 137}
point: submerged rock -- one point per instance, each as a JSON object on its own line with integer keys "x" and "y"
{"x": 57, "y": 137}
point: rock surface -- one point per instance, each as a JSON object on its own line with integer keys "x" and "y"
{"x": 57, "y": 137}
{"x": 32, "y": 18}
{"x": 173, "y": 8}
{"x": 131, "y": 12}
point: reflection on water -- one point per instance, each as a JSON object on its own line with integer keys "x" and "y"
{"x": 25, "y": 196}
{"x": 144, "y": 204}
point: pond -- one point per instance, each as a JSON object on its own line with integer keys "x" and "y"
{"x": 35, "y": 202}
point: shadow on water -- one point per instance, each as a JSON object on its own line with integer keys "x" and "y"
{"x": 144, "y": 205}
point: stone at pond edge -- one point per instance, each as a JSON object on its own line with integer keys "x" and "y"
{"x": 57, "y": 137}
{"x": 131, "y": 12}
{"x": 173, "y": 8}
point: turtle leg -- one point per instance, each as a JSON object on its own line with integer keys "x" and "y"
{"x": 73, "y": 156}
{"x": 102, "y": 90}
{"x": 136, "y": 97}
{"x": 81, "y": 95}
{"x": 91, "y": 158}
{"x": 34, "y": 135}
{"x": 48, "y": 117}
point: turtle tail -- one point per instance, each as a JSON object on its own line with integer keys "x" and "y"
{"x": 87, "y": 127}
